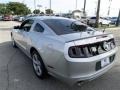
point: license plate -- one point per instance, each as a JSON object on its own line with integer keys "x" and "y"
{"x": 105, "y": 62}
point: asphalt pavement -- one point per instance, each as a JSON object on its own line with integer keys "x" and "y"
{"x": 16, "y": 72}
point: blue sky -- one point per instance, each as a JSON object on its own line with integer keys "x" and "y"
{"x": 68, "y": 5}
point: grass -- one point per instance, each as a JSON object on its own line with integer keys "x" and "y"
{"x": 105, "y": 26}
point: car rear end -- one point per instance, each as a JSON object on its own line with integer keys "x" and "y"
{"x": 104, "y": 21}
{"x": 89, "y": 58}
{"x": 92, "y": 20}
{"x": 7, "y": 18}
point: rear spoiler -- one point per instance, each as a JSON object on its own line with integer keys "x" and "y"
{"x": 97, "y": 37}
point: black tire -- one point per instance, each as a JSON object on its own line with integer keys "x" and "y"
{"x": 38, "y": 65}
{"x": 13, "y": 42}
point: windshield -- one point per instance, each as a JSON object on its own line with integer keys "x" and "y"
{"x": 66, "y": 26}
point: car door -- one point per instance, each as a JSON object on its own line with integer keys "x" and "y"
{"x": 24, "y": 34}
{"x": 17, "y": 32}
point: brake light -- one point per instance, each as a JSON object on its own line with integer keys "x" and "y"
{"x": 89, "y": 50}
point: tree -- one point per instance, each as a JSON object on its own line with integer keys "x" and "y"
{"x": 2, "y": 9}
{"x": 42, "y": 13}
{"x": 36, "y": 11}
{"x": 18, "y": 8}
{"x": 97, "y": 15}
{"x": 49, "y": 11}
{"x": 84, "y": 11}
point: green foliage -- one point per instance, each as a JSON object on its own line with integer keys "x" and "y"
{"x": 2, "y": 9}
{"x": 36, "y": 11}
{"x": 18, "y": 8}
{"x": 42, "y": 13}
{"x": 15, "y": 8}
{"x": 49, "y": 11}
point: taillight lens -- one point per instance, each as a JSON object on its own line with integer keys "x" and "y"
{"x": 77, "y": 52}
{"x": 89, "y": 50}
{"x": 108, "y": 45}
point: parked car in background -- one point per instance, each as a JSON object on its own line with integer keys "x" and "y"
{"x": 1, "y": 18}
{"x": 84, "y": 20}
{"x": 65, "y": 48}
{"x": 28, "y": 16}
{"x": 102, "y": 21}
{"x": 7, "y": 18}
{"x": 16, "y": 18}
{"x": 67, "y": 15}
{"x": 19, "y": 18}
{"x": 113, "y": 20}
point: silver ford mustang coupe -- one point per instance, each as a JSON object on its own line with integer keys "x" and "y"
{"x": 65, "y": 48}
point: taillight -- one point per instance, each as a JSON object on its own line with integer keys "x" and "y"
{"x": 89, "y": 50}
{"x": 77, "y": 52}
{"x": 108, "y": 45}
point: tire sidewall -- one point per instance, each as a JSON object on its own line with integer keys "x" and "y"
{"x": 13, "y": 42}
{"x": 42, "y": 75}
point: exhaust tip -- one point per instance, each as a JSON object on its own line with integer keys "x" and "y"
{"x": 80, "y": 83}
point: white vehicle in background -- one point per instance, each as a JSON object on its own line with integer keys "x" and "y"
{"x": 84, "y": 20}
{"x": 19, "y": 18}
{"x": 102, "y": 21}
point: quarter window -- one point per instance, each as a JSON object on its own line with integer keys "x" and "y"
{"x": 38, "y": 28}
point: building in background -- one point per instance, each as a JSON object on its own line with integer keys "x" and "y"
{"x": 77, "y": 14}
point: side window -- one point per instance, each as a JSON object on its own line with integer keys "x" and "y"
{"x": 26, "y": 25}
{"x": 38, "y": 28}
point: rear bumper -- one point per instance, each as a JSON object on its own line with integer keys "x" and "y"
{"x": 89, "y": 77}
{"x": 6, "y": 19}
{"x": 84, "y": 69}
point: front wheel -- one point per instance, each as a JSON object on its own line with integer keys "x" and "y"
{"x": 38, "y": 65}
{"x": 13, "y": 42}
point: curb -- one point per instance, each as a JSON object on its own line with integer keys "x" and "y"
{"x": 8, "y": 29}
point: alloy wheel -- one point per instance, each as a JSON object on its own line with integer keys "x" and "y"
{"x": 37, "y": 64}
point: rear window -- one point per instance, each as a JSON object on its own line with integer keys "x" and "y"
{"x": 60, "y": 26}
{"x": 66, "y": 26}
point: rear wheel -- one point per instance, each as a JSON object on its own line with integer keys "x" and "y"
{"x": 38, "y": 65}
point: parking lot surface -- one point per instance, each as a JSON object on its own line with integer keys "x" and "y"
{"x": 16, "y": 71}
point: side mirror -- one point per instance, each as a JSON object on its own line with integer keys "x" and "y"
{"x": 16, "y": 27}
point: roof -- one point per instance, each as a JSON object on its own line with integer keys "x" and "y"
{"x": 46, "y": 17}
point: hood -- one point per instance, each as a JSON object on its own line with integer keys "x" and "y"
{"x": 81, "y": 35}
